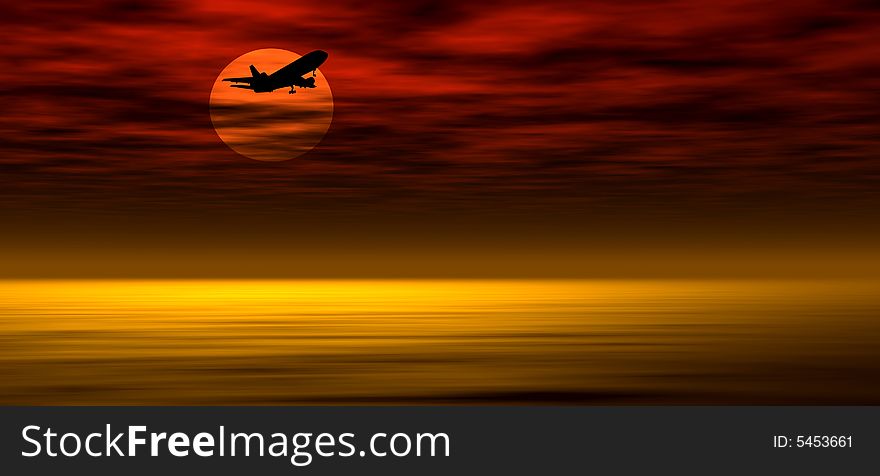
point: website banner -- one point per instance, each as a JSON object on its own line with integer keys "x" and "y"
{"x": 439, "y": 440}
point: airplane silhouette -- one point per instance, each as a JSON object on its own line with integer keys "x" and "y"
{"x": 288, "y": 76}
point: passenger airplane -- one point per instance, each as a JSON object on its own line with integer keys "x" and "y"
{"x": 289, "y": 76}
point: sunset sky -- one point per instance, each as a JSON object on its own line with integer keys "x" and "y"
{"x": 472, "y": 138}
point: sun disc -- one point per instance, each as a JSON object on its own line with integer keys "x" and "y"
{"x": 272, "y": 126}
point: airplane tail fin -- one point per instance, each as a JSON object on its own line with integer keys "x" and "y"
{"x": 254, "y": 71}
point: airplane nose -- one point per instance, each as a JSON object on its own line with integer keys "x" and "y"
{"x": 322, "y": 55}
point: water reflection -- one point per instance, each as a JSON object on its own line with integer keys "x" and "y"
{"x": 453, "y": 341}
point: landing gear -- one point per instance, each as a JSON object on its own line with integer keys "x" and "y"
{"x": 314, "y": 73}
{"x": 292, "y": 90}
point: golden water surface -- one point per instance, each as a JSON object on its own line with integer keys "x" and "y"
{"x": 451, "y": 341}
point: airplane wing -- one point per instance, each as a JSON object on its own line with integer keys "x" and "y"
{"x": 248, "y": 79}
{"x": 303, "y": 82}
